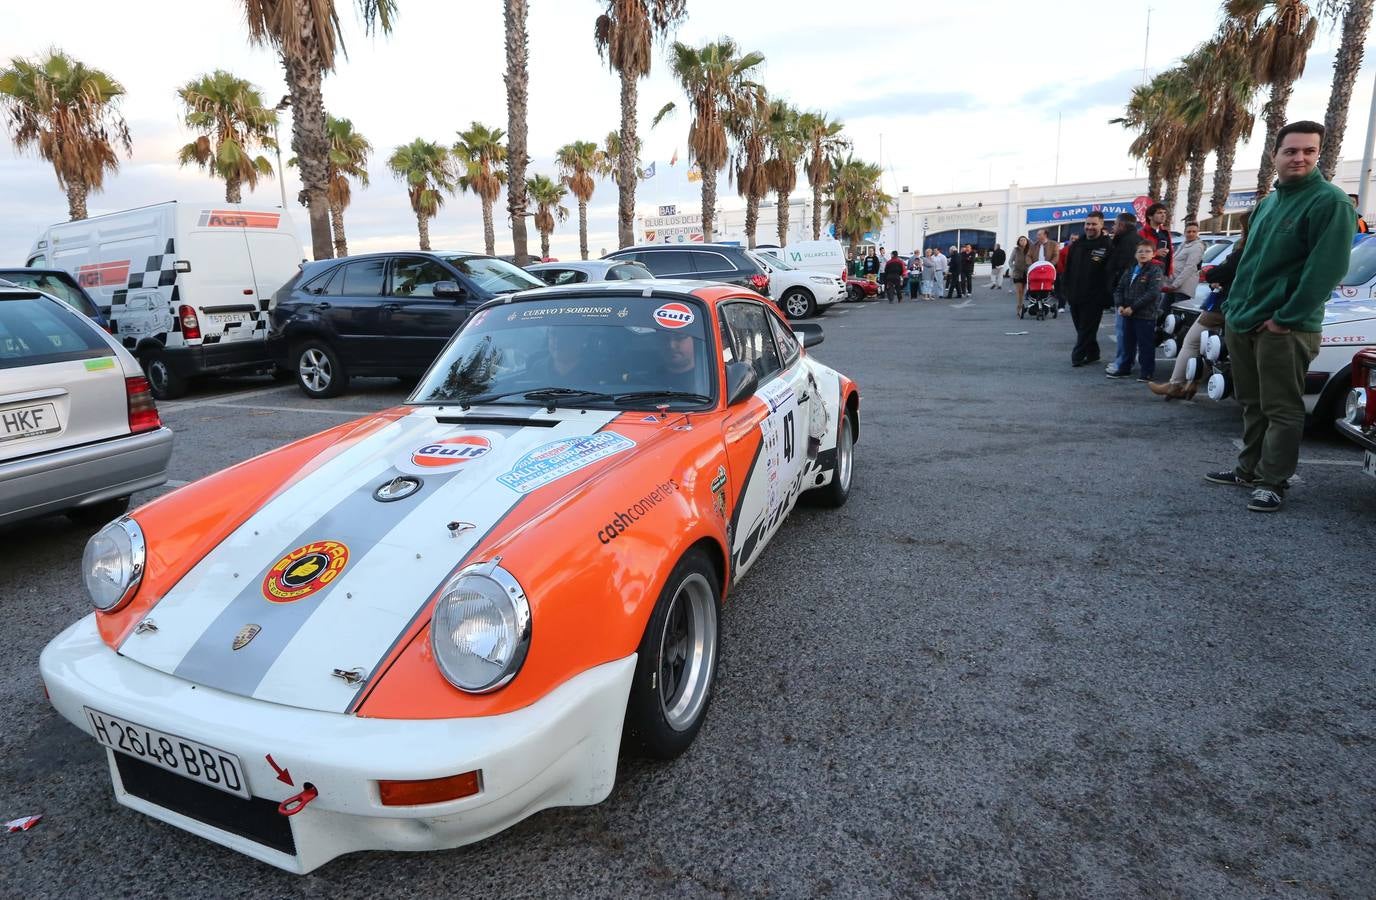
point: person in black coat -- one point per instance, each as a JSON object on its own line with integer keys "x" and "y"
{"x": 894, "y": 273}
{"x": 967, "y": 269}
{"x": 1086, "y": 287}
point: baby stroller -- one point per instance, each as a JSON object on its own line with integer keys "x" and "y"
{"x": 1041, "y": 283}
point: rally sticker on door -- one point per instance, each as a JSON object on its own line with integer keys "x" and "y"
{"x": 674, "y": 315}
{"x": 451, "y": 451}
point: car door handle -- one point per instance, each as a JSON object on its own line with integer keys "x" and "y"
{"x": 322, "y": 306}
{"x": 391, "y": 306}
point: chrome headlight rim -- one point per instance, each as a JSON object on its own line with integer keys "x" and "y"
{"x": 1355, "y": 407}
{"x": 137, "y": 559}
{"x": 512, "y": 591}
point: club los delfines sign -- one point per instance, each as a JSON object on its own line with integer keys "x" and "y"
{"x": 672, "y": 228}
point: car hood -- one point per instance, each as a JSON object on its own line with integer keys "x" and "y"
{"x": 1340, "y": 311}
{"x": 312, "y": 590}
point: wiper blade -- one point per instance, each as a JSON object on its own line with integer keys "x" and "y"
{"x": 634, "y": 396}
{"x": 547, "y": 394}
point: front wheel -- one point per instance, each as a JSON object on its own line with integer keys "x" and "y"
{"x": 319, "y": 373}
{"x": 798, "y": 304}
{"x": 676, "y": 663}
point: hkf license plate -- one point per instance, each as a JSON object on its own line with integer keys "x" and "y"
{"x": 1369, "y": 463}
{"x": 190, "y": 759}
{"x": 28, "y": 421}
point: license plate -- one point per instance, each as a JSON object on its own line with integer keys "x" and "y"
{"x": 28, "y": 421}
{"x": 190, "y": 759}
{"x": 222, "y": 318}
{"x": 1369, "y": 463}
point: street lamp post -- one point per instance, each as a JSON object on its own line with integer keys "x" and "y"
{"x": 281, "y": 176}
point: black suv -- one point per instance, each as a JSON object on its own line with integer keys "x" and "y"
{"x": 700, "y": 262}
{"x": 380, "y": 314}
{"x": 61, "y": 285}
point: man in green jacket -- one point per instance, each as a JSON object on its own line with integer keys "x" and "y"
{"x": 1298, "y": 243}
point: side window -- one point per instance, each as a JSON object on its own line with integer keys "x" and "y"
{"x": 708, "y": 261}
{"x": 785, "y": 341}
{"x": 38, "y": 262}
{"x": 667, "y": 263}
{"x": 330, "y": 282}
{"x": 415, "y": 276}
{"x": 363, "y": 278}
{"x": 628, "y": 272}
{"x": 563, "y": 276}
{"x": 751, "y": 339}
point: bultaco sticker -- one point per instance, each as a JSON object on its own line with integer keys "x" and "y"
{"x": 305, "y": 570}
{"x": 451, "y": 451}
{"x": 674, "y": 315}
{"x": 556, "y": 459}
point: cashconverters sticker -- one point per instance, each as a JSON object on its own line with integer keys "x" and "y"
{"x": 556, "y": 459}
{"x": 674, "y": 315}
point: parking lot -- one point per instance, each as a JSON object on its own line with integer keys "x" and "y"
{"x": 1035, "y": 655}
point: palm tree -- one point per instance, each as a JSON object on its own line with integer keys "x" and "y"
{"x": 1346, "y": 65}
{"x": 229, "y": 113}
{"x": 823, "y": 137}
{"x": 517, "y": 89}
{"x": 611, "y": 160}
{"x": 786, "y": 143}
{"x": 348, "y": 158}
{"x": 68, "y": 112}
{"x": 481, "y": 156}
{"x": 1278, "y": 34}
{"x": 578, "y": 162}
{"x": 1230, "y": 88}
{"x": 424, "y": 167}
{"x": 1145, "y": 114}
{"x": 306, "y": 34}
{"x": 858, "y": 204}
{"x": 715, "y": 78}
{"x": 748, "y": 126}
{"x": 1195, "y": 135}
{"x": 624, "y": 34}
{"x": 547, "y": 195}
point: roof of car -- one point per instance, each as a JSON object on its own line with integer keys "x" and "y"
{"x": 692, "y": 246}
{"x": 582, "y": 265}
{"x": 658, "y": 288}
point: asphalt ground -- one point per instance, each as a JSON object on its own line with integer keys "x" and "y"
{"x": 1035, "y": 655}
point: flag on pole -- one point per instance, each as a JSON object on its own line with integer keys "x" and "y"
{"x": 650, "y": 171}
{"x": 694, "y": 173}
{"x": 674, "y": 159}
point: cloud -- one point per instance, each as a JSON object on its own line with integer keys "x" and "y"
{"x": 907, "y": 103}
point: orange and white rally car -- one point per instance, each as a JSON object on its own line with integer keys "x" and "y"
{"x": 412, "y": 631}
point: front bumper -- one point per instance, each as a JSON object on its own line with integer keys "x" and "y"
{"x": 560, "y": 751}
{"x": 1363, "y": 439}
{"x": 82, "y": 476}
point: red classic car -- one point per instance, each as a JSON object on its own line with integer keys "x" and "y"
{"x": 1358, "y": 421}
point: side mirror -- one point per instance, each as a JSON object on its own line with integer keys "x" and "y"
{"x": 810, "y": 334}
{"x": 741, "y": 382}
{"x": 450, "y": 289}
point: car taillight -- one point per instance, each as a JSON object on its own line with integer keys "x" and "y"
{"x": 191, "y": 326}
{"x": 759, "y": 282}
{"x": 143, "y": 412}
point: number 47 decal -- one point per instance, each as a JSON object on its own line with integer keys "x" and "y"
{"x": 788, "y": 437}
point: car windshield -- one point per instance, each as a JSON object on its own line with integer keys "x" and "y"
{"x": 54, "y": 286}
{"x": 776, "y": 262}
{"x": 1361, "y": 267}
{"x": 1214, "y": 252}
{"x": 494, "y": 275}
{"x": 611, "y": 351}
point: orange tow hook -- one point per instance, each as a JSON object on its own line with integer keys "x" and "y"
{"x": 293, "y": 805}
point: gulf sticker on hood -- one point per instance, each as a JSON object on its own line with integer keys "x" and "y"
{"x": 552, "y": 461}
{"x": 451, "y": 451}
{"x": 674, "y": 315}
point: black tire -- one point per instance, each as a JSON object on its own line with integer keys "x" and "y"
{"x": 835, "y": 494}
{"x": 97, "y": 514}
{"x": 162, "y": 380}
{"x": 1330, "y": 404}
{"x": 797, "y": 303}
{"x": 319, "y": 372}
{"x": 854, "y": 294}
{"x": 660, "y": 727}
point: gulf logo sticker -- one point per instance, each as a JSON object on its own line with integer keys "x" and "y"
{"x": 451, "y": 451}
{"x": 305, "y": 570}
{"x": 674, "y": 315}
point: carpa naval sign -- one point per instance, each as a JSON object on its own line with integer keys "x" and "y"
{"x": 1048, "y": 214}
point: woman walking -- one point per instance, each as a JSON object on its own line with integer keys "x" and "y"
{"x": 929, "y": 274}
{"x": 1017, "y": 268}
{"x": 940, "y": 264}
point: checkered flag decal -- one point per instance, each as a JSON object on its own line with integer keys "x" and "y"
{"x": 158, "y": 271}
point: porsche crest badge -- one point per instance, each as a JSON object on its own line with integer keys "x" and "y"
{"x": 246, "y": 634}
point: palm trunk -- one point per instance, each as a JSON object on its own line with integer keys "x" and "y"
{"x": 1223, "y": 172}
{"x": 234, "y": 189}
{"x": 625, "y": 164}
{"x": 752, "y": 218}
{"x": 582, "y": 229}
{"x": 1172, "y": 194}
{"x": 341, "y": 244}
{"x": 1275, "y": 121}
{"x": 309, "y": 139}
{"x": 544, "y": 246}
{"x": 1345, "y": 68}
{"x": 1196, "y": 189}
{"x": 709, "y": 202}
{"x": 782, "y": 217}
{"x": 517, "y": 91}
{"x": 489, "y": 239}
{"x": 423, "y": 226}
{"x": 76, "y": 199}
{"x": 817, "y": 212}
{"x": 1153, "y": 179}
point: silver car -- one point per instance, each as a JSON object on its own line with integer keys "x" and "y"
{"x": 79, "y": 431}
{"x": 582, "y": 271}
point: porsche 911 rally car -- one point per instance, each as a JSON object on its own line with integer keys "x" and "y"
{"x": 411, "y": 631}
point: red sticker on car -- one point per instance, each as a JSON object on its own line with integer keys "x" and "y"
{"x": 305, "y": 570}
{"x": 674, "y": 315}
{"x": 452, "y": 451}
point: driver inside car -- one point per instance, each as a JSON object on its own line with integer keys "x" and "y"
{"x": 678, "y": 364}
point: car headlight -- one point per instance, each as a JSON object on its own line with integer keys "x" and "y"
{"x": 1355, "y": 410}
{"x": 112, "y": 564}
{"x": 820, "y": 279}
{"x": 1371, "y": 378}
{"x": 481, "y": 630}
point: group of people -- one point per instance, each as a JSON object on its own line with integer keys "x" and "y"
{"x": 924, "y": 275}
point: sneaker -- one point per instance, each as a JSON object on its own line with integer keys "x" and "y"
{"x": 1146, "y": 378}
{"x": 1229, "y": 477}
{"x": 1114, "y": 373}
{"x": 1264, "y": 500}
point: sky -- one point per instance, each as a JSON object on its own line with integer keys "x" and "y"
{"x": 965, "y": 97}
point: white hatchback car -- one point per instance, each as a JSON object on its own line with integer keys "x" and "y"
{"x": 79, "y": 432}
{"x": 800, "y": 293}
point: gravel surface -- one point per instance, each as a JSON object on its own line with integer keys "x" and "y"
{"x": 1035, "y": 655}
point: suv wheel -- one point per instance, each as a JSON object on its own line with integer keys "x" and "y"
{"x": 797, "y": 303}
{"x": 319, "y": 373}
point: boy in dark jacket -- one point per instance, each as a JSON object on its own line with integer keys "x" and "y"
{"x": 1137, "y": 298}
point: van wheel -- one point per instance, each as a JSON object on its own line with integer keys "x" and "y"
{"x": 798, "y": 304}
{"x": 319, "y": 373}
{"x": 162, "y": 381}
{"x": 676, "y": 663}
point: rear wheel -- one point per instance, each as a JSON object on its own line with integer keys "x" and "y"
{"x": 798, "y": 304}
{"x": 319, "y": 373}
{"x": 98, "y": 514}
{"x": 854, "y": 294}
{"x": 676, "y": 664}
{"x": 162, "y": 381}
{"x": 837, "y": 492}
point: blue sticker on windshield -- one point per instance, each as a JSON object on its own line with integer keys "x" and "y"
{"x": 556, "y": 459}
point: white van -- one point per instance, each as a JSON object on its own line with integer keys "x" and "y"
{"x": 816, "y": 256}
{"x": 186, "y": 286}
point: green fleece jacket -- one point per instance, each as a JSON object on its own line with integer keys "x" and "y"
{"x": 1298, "y": 244}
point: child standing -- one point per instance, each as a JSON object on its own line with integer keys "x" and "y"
{"x": 1137, "y": 297}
